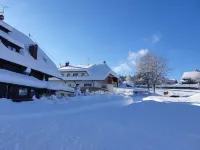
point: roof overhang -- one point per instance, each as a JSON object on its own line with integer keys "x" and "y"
{"x": 6, "y": 26}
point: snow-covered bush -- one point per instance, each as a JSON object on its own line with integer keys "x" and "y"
{"x": 34, "y": 97}
{"x": 77, "y": 92}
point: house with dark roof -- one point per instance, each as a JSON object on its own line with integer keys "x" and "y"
{"x": 24, "y": 68}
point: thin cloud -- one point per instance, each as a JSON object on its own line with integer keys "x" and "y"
{"x": 155, "y": 38}
{"x": 128, "y": 65}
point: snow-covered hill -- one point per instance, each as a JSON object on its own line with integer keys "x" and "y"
{"x": 99, "y": 122}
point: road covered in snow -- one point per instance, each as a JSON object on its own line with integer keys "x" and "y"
{"x": 100, "y": 122}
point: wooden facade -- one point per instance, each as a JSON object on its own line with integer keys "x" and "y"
{"x": 14, "y": 92}
{"x": 4, "y": 29}
{"x": 112, "y": 80}
{"x": 19, "y": 92}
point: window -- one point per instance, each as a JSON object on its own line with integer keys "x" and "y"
{"x": 10, "y": 45}
{"x": 23, "y": 92}
{"x": 63, "y": 74}
{"x": 4, "y": 29}
{"x": 69, "y": 85}
{"x": 82, "y": 74}
{"x": 68, "y": 74}
{"x": 75, "y": 74}
{"x": 87, "y": 85}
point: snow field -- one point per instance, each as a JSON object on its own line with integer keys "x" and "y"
{"x": 100, "y": 122}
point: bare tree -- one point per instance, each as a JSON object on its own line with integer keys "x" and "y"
{"x": 152, "y": 69}
{"x": 129, "y": 79}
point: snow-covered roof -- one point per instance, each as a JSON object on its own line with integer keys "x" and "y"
{"x": 9, "y": 38}
{"x": 24, "y": 80}
{"x": 43, "y": 63}
{"x": 71, "y": 68}
{"x": 170, "y": 80}
{"x": 5, "y": 25}
{"x": 194, "y": 75}
{"x": 95, "y": 72}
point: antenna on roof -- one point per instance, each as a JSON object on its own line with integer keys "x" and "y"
{"x": 88, "y": 61}
{"x": 30, "y": 36}
{"x": 2, "y": 11}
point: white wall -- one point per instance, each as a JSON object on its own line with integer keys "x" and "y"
{"x": 97, "y": 84}
{"x": 72, "y": 72}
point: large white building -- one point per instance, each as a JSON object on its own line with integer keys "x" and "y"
{"x": 24, "y": 68}
{"x": 98, "y": 76}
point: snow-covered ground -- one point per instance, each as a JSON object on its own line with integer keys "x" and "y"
{"x": 102, "y": 122}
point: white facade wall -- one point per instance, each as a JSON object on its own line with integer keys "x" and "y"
{"x": 71, "y": 73}
{"x": 97, "y": 84}
{"x": 81, "y": 84}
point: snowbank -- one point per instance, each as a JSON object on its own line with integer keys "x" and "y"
{"x": 48, "y": 104}
{"x": 195, "y": 98}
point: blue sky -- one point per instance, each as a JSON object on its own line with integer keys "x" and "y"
{"x": 119, "y": 32}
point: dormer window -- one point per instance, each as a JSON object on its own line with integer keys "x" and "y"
{"x": 75, "y": 74}
{"x": 4, "y": 29}
{"x": 10, "y": 45}
{"x": 12, "y": 48}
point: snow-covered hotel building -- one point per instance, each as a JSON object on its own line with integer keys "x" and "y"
{"x": 98, "y": 76}
{"x": 24, "y": 67}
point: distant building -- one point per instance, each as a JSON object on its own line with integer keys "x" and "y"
{"x": 170, "y": 81}
{"x": 24, "y": 67}
{"x": 191, "y": 77}
{"x": 98, "y": 76}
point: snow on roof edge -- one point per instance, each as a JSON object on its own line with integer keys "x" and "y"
{"x": 10, "y": 39}
{"x": 95, "y": 72}
{"x": 5, "y": 25}
{"x": 19, "y": 38}
{"x": 30, "y": 81}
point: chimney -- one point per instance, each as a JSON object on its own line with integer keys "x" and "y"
{"x": 67, "y": 63}
{"x": 1, "y": 17}
{"x": 33, "y": 49}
